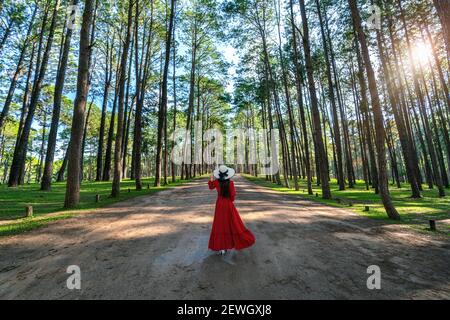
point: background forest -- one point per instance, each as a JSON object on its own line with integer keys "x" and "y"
{"x": 357, "y": 108}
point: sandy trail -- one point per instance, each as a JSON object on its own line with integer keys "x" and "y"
{"x": 155, "y": 247}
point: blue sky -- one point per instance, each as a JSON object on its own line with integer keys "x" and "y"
{"x": 230, "y": 55}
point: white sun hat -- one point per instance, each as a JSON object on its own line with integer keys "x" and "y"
{"x": 224, "y": 173}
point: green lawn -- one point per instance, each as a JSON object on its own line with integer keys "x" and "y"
{"x": 415, "y": 212}
{"x": 14, "y": 200}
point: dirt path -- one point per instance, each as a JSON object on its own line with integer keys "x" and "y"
{"x": 155, "y": 247}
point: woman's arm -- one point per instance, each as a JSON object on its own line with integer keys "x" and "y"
{"x": 212, "y": 183}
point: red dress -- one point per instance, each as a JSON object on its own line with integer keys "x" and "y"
{"x": 228, "y": 230}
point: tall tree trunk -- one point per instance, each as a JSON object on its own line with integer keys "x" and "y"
{"x": 271, "y": 89}
{"x": 336, "y": 129}
{"x": 405, "y": 143}
{"x": 109, "y": 144}
{"x": 38, "y": 62}
{"x": 83, "y": 143}
{"x": 439, "y": 68}
{"x": 42, "y": 148}
{"x": 321, "y": 154}
{"x": 108, "y": 79}
{"x": 403, "y": 109}
{"x": 21, "y": 148}
{"x": 421, "y": 100}
{"x": 74, "y": 153}
{"x": 377, "y": 113}
{"x": 288, "y": 102}
{"x": 359, "y": 121}
{"x": 443, "y": 121}
{"x": 127, "y": 137}
{"x": 142, "y": 75}
{"x": 184, "y": 170}
{"x": 298, "y": 82}
{"x": 437, "y": 140}
{"x": 128, "y": 109}
{"x": 59, "y": 87}
{"x": 342, "y": 107}
{"x": 115, "y": 192}
{"x": 24, "y": 110}
{"x": 174, "y": 84}
{"x": 366, "y": 121}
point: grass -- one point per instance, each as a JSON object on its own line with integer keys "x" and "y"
{"x": 48, "y": 206}
{"x": 413, "y": 212}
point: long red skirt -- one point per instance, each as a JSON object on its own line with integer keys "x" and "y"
{"x": 228, "y": 230}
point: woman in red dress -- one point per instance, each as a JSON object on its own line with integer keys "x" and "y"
{"x": 228, "y": 230}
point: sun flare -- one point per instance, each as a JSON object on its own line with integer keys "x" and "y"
{"x": 421, "y": 53}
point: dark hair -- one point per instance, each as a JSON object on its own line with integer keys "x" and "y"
{"x": 225, "y": 188}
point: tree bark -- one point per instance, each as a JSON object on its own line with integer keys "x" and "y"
{"x": 21, "y": 148}
{"x": 115, "y": 192}
{"x": 108, "y": 79}
{"x": 439, "y": 68}
{"x": 83, "y": 143}
{"x": 366, "y": 122}
{"x": 421, "y": 100}
{"x": 184, "y": 171}
{"x": 59, "y": 87}
{"x": 174, "y": 82}
{"x": 74, "y": 153}
{"x": 142, "y": 75}
{"x": 321, "y": 154}
{"x": 164, "y": 100}
{"x": 298, "y": 82}
{"x": 288, "y": 104}
{"x": 332, "y": 98}
{"x": 42, "y": 148}
{"x": 405, "y": 143}
{"x": 377, "y": 113}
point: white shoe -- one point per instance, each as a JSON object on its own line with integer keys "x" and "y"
{"x": 222, "y": 252}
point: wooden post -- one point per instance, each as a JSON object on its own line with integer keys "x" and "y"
{"x": 29, "y": 211}
{"x": 338, "y": 200}
{"x": 366, "y": 208}
{"x": 317, "y": 195}
{"x": 432, "y": 225}
{"x": 148, "y": 186}
{"x": 97, "y": 198}
{"x": 350, "y": 204}
{"x": 129, "y": 190}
